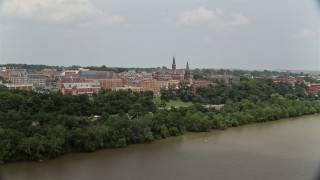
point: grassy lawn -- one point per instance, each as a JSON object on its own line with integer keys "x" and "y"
{"x": 171, "y": 103}
{"x": 178, "y": 103}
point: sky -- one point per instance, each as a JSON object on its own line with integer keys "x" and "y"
{"x": 240, "y": 34}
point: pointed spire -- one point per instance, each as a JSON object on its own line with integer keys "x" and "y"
{"x": 187, "y": 68}
{"x": 174, "y": 65}
{"x": 187, "y": 73}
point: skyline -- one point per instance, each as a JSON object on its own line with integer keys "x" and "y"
{"x": 246, "y": 34}
{"x": 167, "y": 66}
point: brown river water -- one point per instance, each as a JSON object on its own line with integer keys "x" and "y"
{"x": 283, "y": 149}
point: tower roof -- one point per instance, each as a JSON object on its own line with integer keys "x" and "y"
{"x": 174, "y": 60}
{"x": 187, "y": 68}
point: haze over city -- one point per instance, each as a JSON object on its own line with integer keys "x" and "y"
{"x": 246, "y": 34}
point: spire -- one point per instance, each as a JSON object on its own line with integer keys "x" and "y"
{"x": 187, "y": 68}
{"x": 174, "y": 65}
{"x": 187, "y": 73}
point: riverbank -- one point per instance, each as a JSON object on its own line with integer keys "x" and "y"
{"x": 120, "y": 131}
{"x": 284, "y": 149}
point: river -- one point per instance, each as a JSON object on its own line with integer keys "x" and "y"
{"x": 283, "y": 149}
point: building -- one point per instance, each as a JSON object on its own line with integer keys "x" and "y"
{"x": 126, "y": 88}
{"x": 18, "y": 76}
{"x": 26, "y": 87}
{"x": 107, "y": 79}
{"x": 50, "y": 74}
{"x": 111, "y": 83}
{"x": 70, "y": 79}
{"x": 198, "y": 83}
{"x": 21, "y": 76}
{"x": 155, "y": 85}
{"x": 174, "y": 67}
{"x": 287, "y": 79}
{"x": 36, "y": 79}
{"x": 71, "y": 73}
{"x": 188, "y": 74}
{"x": 80, "y": 88}
{"x": 225, "y": 79}
{"x": 4, "y": 73}
{"x": 313, "y": 88}
{"x": 164, "y": 74}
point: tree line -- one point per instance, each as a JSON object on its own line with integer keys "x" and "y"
{"x": 246, "y": 89}
{"x": 205, "y": 73}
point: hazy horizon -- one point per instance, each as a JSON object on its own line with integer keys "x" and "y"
{"x": 219, "y": 34}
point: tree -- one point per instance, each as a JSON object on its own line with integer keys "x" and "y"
{"x": 32, "y": 147}
{"x": 198, "y": 122}
{"x": 3, "y": 87}
{"x": 137, "y": 110}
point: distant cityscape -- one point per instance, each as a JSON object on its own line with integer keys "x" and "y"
{"x": 88, "y": 81}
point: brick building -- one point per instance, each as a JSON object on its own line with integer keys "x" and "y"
{"x": 35, "y": 79}
{"x": 225, "y": 78}
{"x": 50, "y": 74}
{"x": 80, "y": 88}
{"x": 18, "y": 76}
{"x": 198, "y": 83}
{"x": 133, "y": 89}
{"x": 155, "y": 85}
{"x": 313, "y": 88}
{"x": 174, "y": 74}
{"x": 107, "y": 79}
{"x": 71, "y": 79}
{"x": 4, "y": 73}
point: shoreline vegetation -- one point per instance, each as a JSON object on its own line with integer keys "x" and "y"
{"x": 36, "y": 127}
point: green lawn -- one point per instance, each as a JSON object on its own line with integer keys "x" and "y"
{"x": 171, "y": 103}
{"x": 178, "y": 103}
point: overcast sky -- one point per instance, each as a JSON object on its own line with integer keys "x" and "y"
{"x": 242, "y": 34}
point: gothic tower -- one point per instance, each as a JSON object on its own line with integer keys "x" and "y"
{"x": 187, "y": 73}
{"x": 174, "y": 65}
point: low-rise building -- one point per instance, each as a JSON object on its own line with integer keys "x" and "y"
{"x": 198, "y": 83}
{"x": 225, "y": 78}
{"x": 4, "y": 73}
{"x": 133, "y": 89}
{"x": 35, "y": 79}
{"x": 18, "y": 76}
{"x": 313, "y": 88}
{"x": 71, "y": 79}
{"x": 110, "y": 83}
{"x": 287, "y": 79}
{"x": 80, "y": 88}
{"x": 107, "y": 79}
{"x": 26, "y": 87}
{"x": 50, "y": 74}
{"x": 71, "y": 73}
{"x": 155, "y": 85}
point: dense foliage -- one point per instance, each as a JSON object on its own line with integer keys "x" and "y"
{"x": 204, "y": 73}
{"x": 43, "y": 126}
{"x": 246, "y": 89}
{"x": 66, "y": 123}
